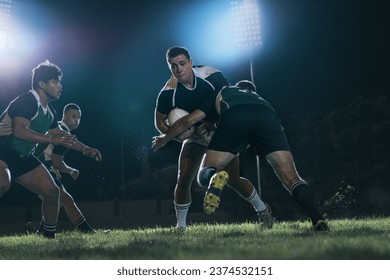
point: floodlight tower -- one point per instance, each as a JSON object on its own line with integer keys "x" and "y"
{"x": 5, "y": 14}
{"x": 246, "y": 22}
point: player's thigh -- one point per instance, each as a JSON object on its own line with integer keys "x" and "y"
{"x": 39, "y": 181}
{"x": 217, "y": 159}
{"x": 5, "y": 175}
{"x": 190, "y": 158}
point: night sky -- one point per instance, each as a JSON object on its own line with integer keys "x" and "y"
{"x": 315, "y": 55}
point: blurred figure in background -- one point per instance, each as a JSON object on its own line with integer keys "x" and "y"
{"x": 53, "y": 158}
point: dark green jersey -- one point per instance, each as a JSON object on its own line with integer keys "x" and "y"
{"x": 27, "y": 106}
{"x": 233, "y": 96}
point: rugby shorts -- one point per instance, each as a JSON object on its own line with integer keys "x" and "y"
{"x": 256, "y": 125}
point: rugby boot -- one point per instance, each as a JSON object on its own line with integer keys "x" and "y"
{"x": 213, "y": 193}
{"x": 265, "y": 218}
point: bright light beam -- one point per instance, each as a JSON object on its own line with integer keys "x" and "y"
{"x": 20, "y": 38}
{"x": 206, "y": 28}
{"x": 5, "y": 14}
{"x": 246, "y": 23}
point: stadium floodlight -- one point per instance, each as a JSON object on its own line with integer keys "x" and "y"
{"x": 246, "y": 22}
{"x": 5, "y": 14}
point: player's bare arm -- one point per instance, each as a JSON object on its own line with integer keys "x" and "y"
{"x": 86, "y": 150}
{"x": 92, "y": 153}
{"x": 178, "y": 128}
{"x": 21, "y": 129}
{"x": 59, "y": 164}
{"x": 75, "y": 145}
{"x": 160, "y": 122}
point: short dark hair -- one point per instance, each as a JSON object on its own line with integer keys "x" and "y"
{"x": 245, "y": 84}
{"x": 71, "y": 106}
{"x": 45, "y": 72}
{"x": 175, "y": 51}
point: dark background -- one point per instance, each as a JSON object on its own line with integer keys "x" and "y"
{"x": 322, "y": 64}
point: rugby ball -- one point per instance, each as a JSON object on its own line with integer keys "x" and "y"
{"x": 176, "y": 114}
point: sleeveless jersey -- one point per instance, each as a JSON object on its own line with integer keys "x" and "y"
{"x": 208, "y": 82}
{"x": 27, "y": 106}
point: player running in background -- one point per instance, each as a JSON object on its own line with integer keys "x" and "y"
{"x": 28, "y": 120}
{"x": 53, "y": 158}
{"x": 194, "y": 89}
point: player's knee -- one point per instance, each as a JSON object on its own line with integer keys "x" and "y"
{"x": 66, "y": 199}
{"x": 51, "y": 192}
{"x": 204, "y": 176}
{"x": 5, "y": 180}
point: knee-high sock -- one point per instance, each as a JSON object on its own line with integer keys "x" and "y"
{"x": 304, "y": 195}
{"x": 181, "y": 214}
{"x": 256, "y": 202}
{"x": 83, "y": 225}
{"x": 49, "y": 231}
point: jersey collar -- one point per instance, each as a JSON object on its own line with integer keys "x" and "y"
{"x": 61, "y": 123}
{"x": 36, "y": 95}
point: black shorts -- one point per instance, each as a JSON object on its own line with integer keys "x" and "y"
{"x": 18, "y": 165}
{"x": 249, "y": 124}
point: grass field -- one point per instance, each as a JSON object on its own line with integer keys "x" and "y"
{"x": 366, "y": 239}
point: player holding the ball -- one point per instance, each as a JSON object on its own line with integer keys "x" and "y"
{"x": 194, "y": 89}
{"x": 247, "y": 119}
{"x": 173, "y": 116}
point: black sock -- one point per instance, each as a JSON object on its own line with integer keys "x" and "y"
{"x": 304, "y": 195}
{"x": 49, "y": 231}
{"x": 83, "y": 225}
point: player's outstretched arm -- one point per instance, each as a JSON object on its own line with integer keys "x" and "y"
{"x": 59, "y": 164}
{"x": 86, "y": 150}
{"x": 92, "y": 153}
{"x": 21, "y": 129}
{"x": 179, "y": 127}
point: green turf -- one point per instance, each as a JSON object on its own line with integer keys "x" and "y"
{"x": 367, "y": 239}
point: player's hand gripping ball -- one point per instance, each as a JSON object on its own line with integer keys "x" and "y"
{"x": 176, "y": 114}
{"x": 173, "y": 116}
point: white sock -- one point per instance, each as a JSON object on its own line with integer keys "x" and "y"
{"x": 256, "y": 202}
{"x": 181, "y": 214}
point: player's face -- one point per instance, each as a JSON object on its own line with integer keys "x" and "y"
{"x": 53, "y": 89}
{"x": 181, "y": 68}
{"x": 72, "y": 118}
